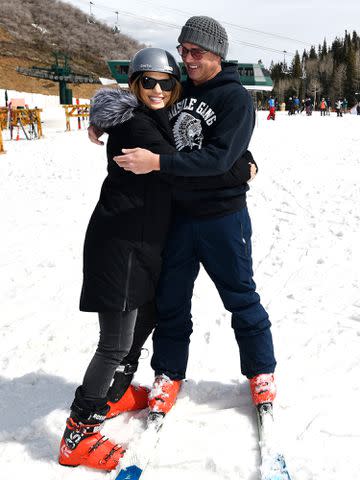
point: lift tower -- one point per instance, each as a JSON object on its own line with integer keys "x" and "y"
{"x": 60, "y": 73}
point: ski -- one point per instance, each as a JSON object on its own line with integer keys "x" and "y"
{"x": 137, "y": 457}
{"x": 273, "y": 465}
{"x": 23, "y": 129}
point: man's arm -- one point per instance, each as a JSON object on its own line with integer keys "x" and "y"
{"x": 243, "y": 171}
{"x": 229, "y": 141}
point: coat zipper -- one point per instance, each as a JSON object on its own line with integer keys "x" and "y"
{"x": 127, "y": 283}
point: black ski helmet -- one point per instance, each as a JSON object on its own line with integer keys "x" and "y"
{"x": 153, "y": 60}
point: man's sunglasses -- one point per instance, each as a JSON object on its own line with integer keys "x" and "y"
{"x": 167, "y": 84}
{"x": 196, "y": 53}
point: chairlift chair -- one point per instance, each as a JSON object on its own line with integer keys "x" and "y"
{"x": 115, "y": 29}
{"x": 91, "y": 19}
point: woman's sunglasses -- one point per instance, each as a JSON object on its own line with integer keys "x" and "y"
{"x": 196, "y": 53}
{"x": 167, "y": 84}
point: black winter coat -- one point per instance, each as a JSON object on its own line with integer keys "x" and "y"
{"x": 127, "y": 230}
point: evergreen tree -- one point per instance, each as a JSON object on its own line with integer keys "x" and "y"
{"x": 276, "y": 71}
{"x": 305, "y": 56}
{"x": 324, "y": 49}
{"x": 332, "y": 71}
{"x": 355, "y": 40}
{"x": 336, "y": 50}
{"x": 296, "y": 70}
{"x": 312, "y": 54}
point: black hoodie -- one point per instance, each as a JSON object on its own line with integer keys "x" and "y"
{"x": 212, "y": 126}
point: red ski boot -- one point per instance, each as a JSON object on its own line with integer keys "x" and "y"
{"x": 134, "y": 398}
{"x": 124, "y": 397}
{"x": 263, "y": 388}
{"x": 82, "y": 444}
{"x": 163, "y": 394}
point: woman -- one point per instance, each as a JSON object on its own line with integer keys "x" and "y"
{"x": 122, "y": 252}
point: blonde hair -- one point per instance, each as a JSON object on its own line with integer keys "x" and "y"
{"x": 175, "y": 92}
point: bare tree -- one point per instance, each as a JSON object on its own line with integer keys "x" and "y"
{"x": 357, "y": 73}
{"x": 314, "y": 87}
{"x": 338, "y": 82}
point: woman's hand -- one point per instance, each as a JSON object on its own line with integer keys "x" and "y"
{"x": 253, "y": 171}
{"x": 94, "y": 133}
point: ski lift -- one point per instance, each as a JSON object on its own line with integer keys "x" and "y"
{"x": 91, "y": 18}
{"x": 115, "y": 29}
{"x": 284, "y": 68}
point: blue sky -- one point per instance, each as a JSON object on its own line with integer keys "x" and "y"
{"x": 280, "y": 24}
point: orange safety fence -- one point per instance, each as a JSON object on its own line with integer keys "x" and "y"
{"x": 76, "y": 111}
{"x": 23, "y": 116}
{"x": 1, "y": 143}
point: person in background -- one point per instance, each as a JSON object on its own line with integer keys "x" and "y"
{"x": 302, "y": 107}
{"x": 271, "y": 103}
{"x": 296, "y": 105}
{"x": 290, "y": 106}
{"x": 328, "y": 103}
{"x": 345, "y": 105}
{"x": 308, "y": 106}
{"x": 323, "y": 107}
{"x": 338, "y": 107}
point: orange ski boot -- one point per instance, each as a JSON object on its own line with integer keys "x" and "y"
{"x": 134, "y": 398}
{"x": 263, "y": 388}
{"x": 124, "y": 397}
{"x": 163, "y": 394}
{"x": 83, "y": 444}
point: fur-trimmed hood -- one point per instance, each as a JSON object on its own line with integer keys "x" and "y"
{"x": 111, "y": 106}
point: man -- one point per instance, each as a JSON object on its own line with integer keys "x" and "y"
{"x": 212, "y": 126}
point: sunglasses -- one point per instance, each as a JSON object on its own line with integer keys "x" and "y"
{"x": 167, "y": 84}
{"x": 196, "y": 53}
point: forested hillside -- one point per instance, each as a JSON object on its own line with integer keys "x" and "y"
{"x": 30, "y": 30}
{"x": 332, "y": 71}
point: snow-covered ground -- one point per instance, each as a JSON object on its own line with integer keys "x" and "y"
{"x": 304, "y": 206}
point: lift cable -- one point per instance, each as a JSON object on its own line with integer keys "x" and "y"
{"x": 178, "y": 27}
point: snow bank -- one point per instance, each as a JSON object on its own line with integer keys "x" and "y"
{"x": 306, "y": 223}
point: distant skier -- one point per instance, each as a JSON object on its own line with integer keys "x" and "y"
{"x": 338, "y": 107}
{"x": 271, "y": 103}
{"x": 302, "y": 107}
{"x": 296, "y": 105}
{"x": 323, "y": 107}
{"x": 328, "y": 103}
{"x": 290, "y": 106}
{"x": 345, "y": 105}
{"x": 308, "y": 106}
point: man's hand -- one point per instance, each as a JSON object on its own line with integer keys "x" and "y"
{"x": 138, "y": 160}
{"x": 94, "y": 133}
{"x": 253, "y": 171}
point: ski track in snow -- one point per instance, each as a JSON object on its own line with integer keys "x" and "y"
{"x": 306, "y": 222}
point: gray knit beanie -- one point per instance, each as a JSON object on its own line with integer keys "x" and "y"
{"x": 207, "y": 33}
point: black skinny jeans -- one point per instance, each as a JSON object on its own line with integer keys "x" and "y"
{"x": 122, "y": 336}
